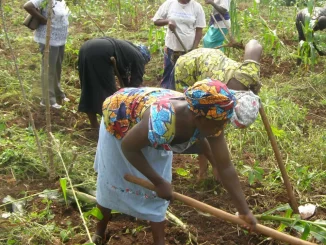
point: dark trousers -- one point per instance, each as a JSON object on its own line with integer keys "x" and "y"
{"x": 168, "y": 67}
{"x": 55, "y": 66}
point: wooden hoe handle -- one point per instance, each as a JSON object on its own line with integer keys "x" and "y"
{"x": 116, "y": 71}
{"x": 181, "y": 43}
{"x": 221, "y": 214}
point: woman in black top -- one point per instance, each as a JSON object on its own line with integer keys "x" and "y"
{"x": 96, "y": 71}
{"x": 316, "y": 21}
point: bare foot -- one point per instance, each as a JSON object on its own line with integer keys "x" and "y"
{"x": 216, "y": 175}
{"x": 201, "y": 176}
{"x": 98, "y": 240}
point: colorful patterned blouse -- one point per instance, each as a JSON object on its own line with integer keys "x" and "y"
{"x": 205, "y": 63}
{"x": 125, "y": 108}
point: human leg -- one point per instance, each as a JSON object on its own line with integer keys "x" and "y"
{"x": 100, "y": 236}
{"x": 93, "y": 119}
{"x": 53, "y": 54}
{"x": 168, "y": 67}
{"x": 57, "y": 85}
{"x": 203, "y": 166}
{"x": 299, "y": 25}
{"x": 158, "y": 232}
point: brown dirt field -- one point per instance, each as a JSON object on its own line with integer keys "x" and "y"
{"x": 208, "y": 230}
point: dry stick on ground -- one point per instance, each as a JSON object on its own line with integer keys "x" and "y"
{"x": 92, "y": 200}
{"x": 289, "y": 189}
{"x": 57, "y": 148}
{"x": 39, "y": 147}
{"x": 42, "y": 192}
{"x": 238, "y": 45}
{"x": 171, "y": 217}
{"x": 46, "y": 89}
{"x": 221, "y": 214}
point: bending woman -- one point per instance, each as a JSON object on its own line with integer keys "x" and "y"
{"x": 140, "y": 130}
{"x": 96, "y": 71}
{"x": 212, "y": 63}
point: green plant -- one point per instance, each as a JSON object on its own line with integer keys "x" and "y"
{"x": 316, "y": 229}
{"x": 63, "y": 184}
{"x": 96, "y": 212}
{"x": 156, "y": 38}
{"x": 183, "y": 172}
{"x": 254, "y": 173}
{"x": 306, "y": 49}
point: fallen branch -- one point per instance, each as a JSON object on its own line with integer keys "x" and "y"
{"x": 237, "y": 45}
{"x": 39, "y": 193}
{"x": 171, "y": 217}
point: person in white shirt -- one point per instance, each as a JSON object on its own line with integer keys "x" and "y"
{"x": 220, "y": 22}
{"x": 187, "y": 19}
{"x": 59, "y": 33}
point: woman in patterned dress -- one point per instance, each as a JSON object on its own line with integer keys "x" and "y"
{"x": 140, "y": 130}
{"x": 205, "y": 63}
{"x": 212, "y": 63}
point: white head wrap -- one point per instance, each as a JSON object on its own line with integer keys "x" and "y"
{"x": 246, "y": 109}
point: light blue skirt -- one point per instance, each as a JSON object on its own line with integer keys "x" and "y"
{"x": 114, "y": 192}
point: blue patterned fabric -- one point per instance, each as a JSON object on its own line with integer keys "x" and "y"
{"x": 145, "y": 52}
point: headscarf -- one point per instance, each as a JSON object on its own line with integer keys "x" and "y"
{"x": 145, "y": 52}
{"x": 211, "y": 98}
{"x": 246, "y": 110}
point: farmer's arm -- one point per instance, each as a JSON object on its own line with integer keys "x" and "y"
{"x": 229, "y": 177}
{"x": 321, "y": 53}
{"x": 205, "y": 149}
{"x": 218, "y": 8}
{"x": 198, "y": 36}
{"x": 131, "y": 145}
{"x": 161, "y": 17}
{"x": 31, "y": 9}
{"x": 163, "y": 22}
{"x": 137, "y": 73}
{"x": 320, "y": 25}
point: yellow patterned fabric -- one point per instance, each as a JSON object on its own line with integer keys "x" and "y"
{"x": 205, "y": 63}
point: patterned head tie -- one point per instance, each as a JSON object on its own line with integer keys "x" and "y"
{"x": 246, "y": 110}
{"x": 145, "y": 52}
{"x": 212, "y": 99}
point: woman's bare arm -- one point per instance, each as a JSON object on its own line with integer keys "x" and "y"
{"x": 30, "y": 8}
{"x": 131, "y": 145}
